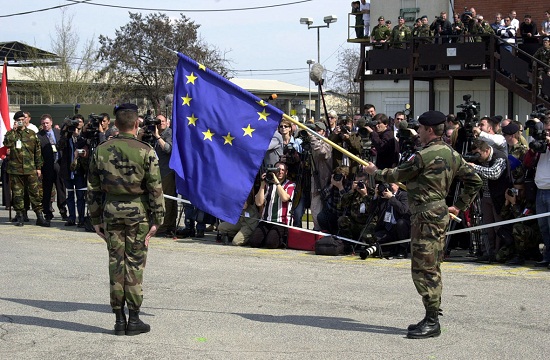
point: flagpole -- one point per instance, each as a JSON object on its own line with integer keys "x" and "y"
{"x": 335, "y": 146}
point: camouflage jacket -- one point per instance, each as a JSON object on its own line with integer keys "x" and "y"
{"x": 25, "y": 152}
{"x": 380, "y": 32}
{"x": 543, "y": 55}
{"x": 400, "y": 35}
{"x": 126, "y": 171}
{"x": 518, "y": 150}
{"x": 429, "y": 173}
{"x": 355, "y": 205}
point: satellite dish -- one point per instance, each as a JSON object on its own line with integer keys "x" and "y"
{"x": 316, "y": 73}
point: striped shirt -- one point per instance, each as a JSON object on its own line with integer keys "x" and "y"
{"x": 274, "y": 209}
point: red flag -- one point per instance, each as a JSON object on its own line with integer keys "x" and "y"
{"x": 5, "y": 123}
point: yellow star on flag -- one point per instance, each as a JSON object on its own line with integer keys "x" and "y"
{"x": 248, "y": 131}
{"x": 261, "y": 103}
{"x": 192, "y": 120}
{"x": 202, "y": 67}
{"x": 263, "y": 115}
{"x": 228, "y": 139}
{"x": 208, "y": 135}
{"x": 186, "y": 100}
{"x": 191, "y": 78}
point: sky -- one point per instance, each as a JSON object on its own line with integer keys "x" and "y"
{"x": 258, "y": 39}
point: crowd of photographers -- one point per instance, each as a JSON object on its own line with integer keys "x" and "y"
{"x": 301, "y": 171}
{"x": 345, "y": 201}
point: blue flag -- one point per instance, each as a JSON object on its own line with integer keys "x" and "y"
{"x": 221, "y": 133}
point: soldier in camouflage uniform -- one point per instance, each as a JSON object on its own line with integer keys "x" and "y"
{"x": 400, "y": 34}
{"x": 380, "y": 33}
{"x": 126, "y": 207}
{"x": 543, "y": 54}
{"x": 429, "y": 174}
{"x": 25, "y": 162}
{"x": 521, "y": 240}
{"x": 355, "y": 205}
{"x": 424, "y": 31}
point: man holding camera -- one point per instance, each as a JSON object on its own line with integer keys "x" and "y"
{"x": 357, "y": 210}
{"x": 383, "y": 139}
{"x": 331, "y": 195}
{"x": 163, "y": 148}
{"x": 24, "y": 168}
{"x": 321, "y": 153}
{"x": 394, "y": 217}
{"x": 275, "y": 196}
{"x": 494, "y": 169}
{"x": 429, "y": 174}
{"x": 441, "y": 28}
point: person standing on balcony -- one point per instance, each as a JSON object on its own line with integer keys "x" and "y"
{"x": 364, "y": 7}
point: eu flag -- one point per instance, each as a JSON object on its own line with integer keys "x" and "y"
{"x": 220, "y": 135}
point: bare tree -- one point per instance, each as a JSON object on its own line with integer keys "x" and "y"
{"x": 140, "y": 62}
{"x": 342, "y": 81}
{"x": 68, "y": 78}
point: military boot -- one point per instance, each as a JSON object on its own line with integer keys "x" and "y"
{"x": 25, "y": 216}
{"x": 135, "y": 325}
{"x": 414, "y": 326}
{"x": 18, "y": 219}
{"x": 40, "y": 221}
{"x": 120, "y": 323}
{"x": 429, "y": 327}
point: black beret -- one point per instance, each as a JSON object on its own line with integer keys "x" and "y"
{"x": 126, "y": 106}
{"x": 510, "y": 129}
{"x": 432, "y": 118}
{"x": 18, "y": 115}
{"x": 496, "y": 119}
{"x": 400, "y": 17}
{"x": 424, "y": 17}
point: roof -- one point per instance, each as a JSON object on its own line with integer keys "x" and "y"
{"x": 270, "y": 86}
{"x": 21, "y": 54}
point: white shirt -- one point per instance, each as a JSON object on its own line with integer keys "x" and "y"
{"x": 542, "y": 176}
{"x": 496, "y": 140}
{"x": 366, "y": 6}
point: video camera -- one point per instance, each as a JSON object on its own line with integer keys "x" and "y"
{"x": 268, "y": 171}
{"x": 91, "y": 129}
{"x": 149, "y": 127}
{"x": 471, "y": 157}
{"x": 69, "y": 126}
{"x": 538, "y": 133}
{"x": 467, "y": 116}
{"x": 539, "y": 112}
{"x": 466, "y": 16}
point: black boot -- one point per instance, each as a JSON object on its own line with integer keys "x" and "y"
{"x": 120, "y": 323}
{"x": 414, "y": 326}
{"x": 18, "y": 219}
{"x": 135, "y": 325}
{"x": 25, "y": 216}
{"x": 40, "y": 221}
{"x": 429, "y": 327}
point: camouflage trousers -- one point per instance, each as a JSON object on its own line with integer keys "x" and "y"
{"x": 18, "y": 184}
{"x": 427, "y": 251}
{"x": 127, "y": 258}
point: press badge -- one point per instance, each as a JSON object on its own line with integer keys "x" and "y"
{"x": 246, "y": 214}
{"x": 54, "y": 149}
{"x": 18, "y": 144}
{"x": 387, "y": 217}
{"x": 362, "y": 208}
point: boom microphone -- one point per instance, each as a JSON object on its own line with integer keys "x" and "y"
{"x": 316, "y": 73}
{"x": 271, "y": 97}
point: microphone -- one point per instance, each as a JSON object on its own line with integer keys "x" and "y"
{"x": 316, "y": 73}
{"x": 402, "y": 125}
{"x": 271, "y": 97}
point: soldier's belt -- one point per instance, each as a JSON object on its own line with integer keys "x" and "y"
{"x": 415, "y": 209}
{"x": 140, "y": 197}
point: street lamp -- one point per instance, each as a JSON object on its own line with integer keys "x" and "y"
{"x": 309, "y": 62}
{"x": 309, "y": 22}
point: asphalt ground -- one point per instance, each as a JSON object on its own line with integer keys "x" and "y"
{"x": 205, "y": 300}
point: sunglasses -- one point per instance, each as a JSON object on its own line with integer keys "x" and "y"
{"x": 283, "y": 126}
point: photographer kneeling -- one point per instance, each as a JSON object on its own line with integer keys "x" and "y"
{"x": 394, "y": 218}
{"x": 275, "y": 195}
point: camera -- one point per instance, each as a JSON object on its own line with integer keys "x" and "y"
{"x": 539, "y": 112}
{"x": 361, "y": 184}
{"x": 268, "y": 171}
{"x": 471, "y": 156}
{"x": 91, "y": 130}
{"x": 383, "y": 187}
{"x": 337, "y": 177}
{"x": 512, "y": 192}
{"x": 467, "y": 116}
{"x": 536, "y": 130}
